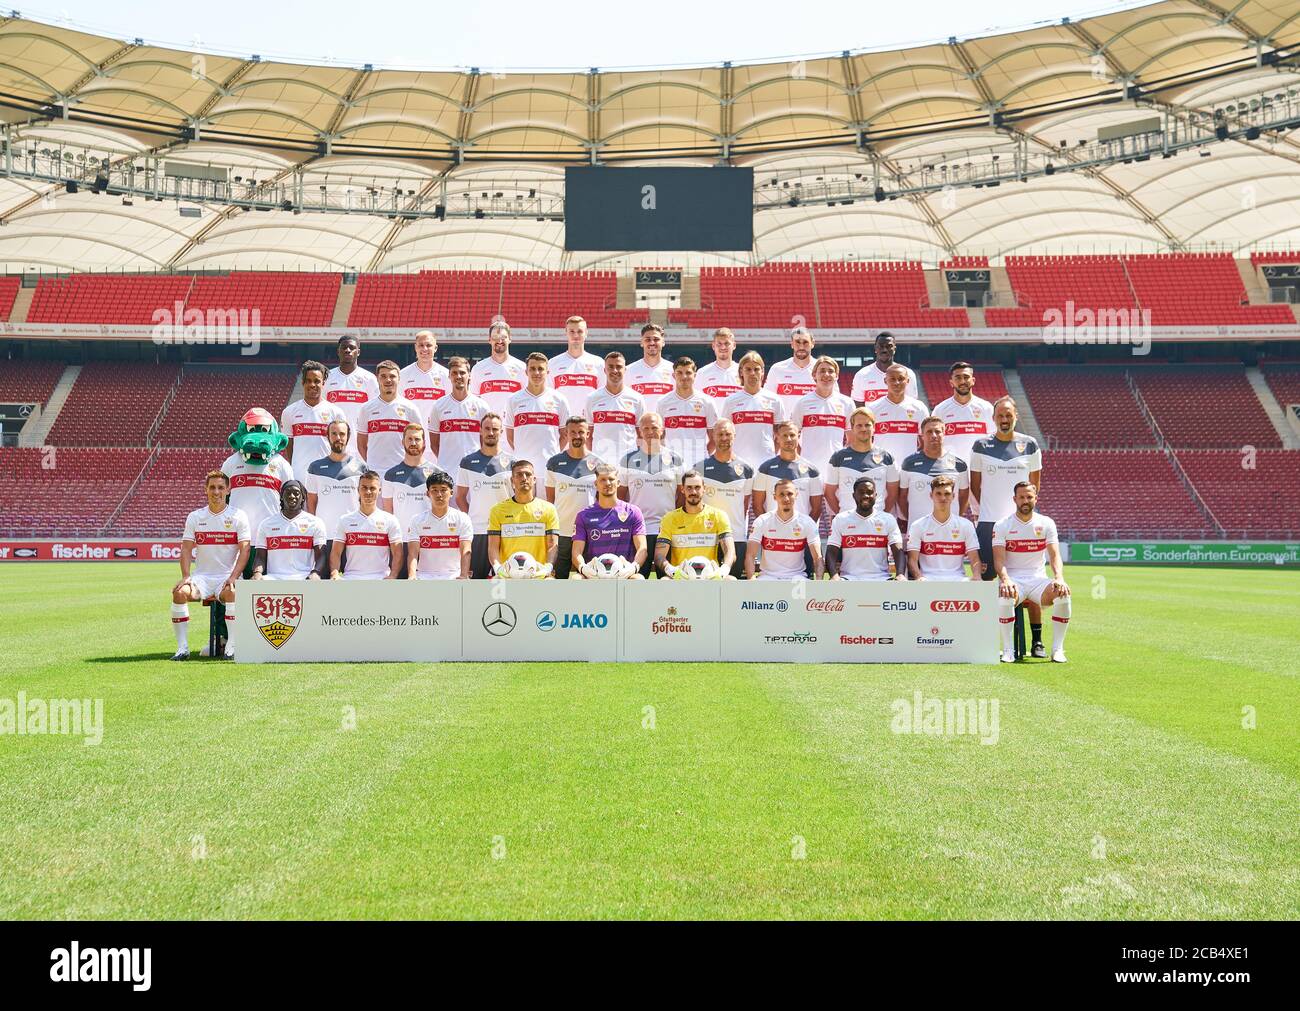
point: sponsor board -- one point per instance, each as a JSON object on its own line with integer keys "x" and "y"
{"x": 72, "y": 549}
{"x": 677, "y": 621}
{"x": 1257, "y": 554}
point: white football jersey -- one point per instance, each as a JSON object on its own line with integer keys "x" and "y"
{"x": 496, "y": 382}
{"x": 367, "y": 540}
{"x": 440, "y": 539}
{"x": 456, "y": 423}
{"x": 383, "y": 422}
{"x": 898, "y": 426}
{"x": 783, "y": 543}
{"x": 613, "y": 418}
{"x": 349, "y": 394}
{"x": 807, "y": 480}
{"x": 687, "y": 424}
{"x": 790, "y": 382}
{"x": 575, "y": 379}
{"x": 308, "y": 430}
{"x": 943, "y": 546}
{"x": 1025, "y": 542}
{"x": 650, "y": 382}
{"x": 848, "y": 464}
{"x": 753, "y": 414}
{"x": 290, "y": 544}
{"x": 651, "y": 483}
{"x": 718, "y": 383}
{"x": 1001, "y": 466}
{"x": 536, "y": 421}
{"x": 486, "y": 480}
{"x": 405, "y": 487}
{"x": 918, "y": 470}
{"x": 869, "y": 384}
{"x": 216, "y": 538}
{"x": 965, "y": 424}
{"x": 822, "y": 423}
{"x": 864, "y": 543}
{"x": 255, "y": 487}
{"x": 726, "y": 486}
{"x": 424, "y": 389}
{"x": 334, "y": 483}
{"x": 572, "y": 483}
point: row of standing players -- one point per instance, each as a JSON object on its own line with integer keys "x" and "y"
{"x": 742, "y": 430}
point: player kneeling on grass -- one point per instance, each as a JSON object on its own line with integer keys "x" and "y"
{"x": 694, "y": 531}
{"x": 612, "y": 529}
{"x": 367, "y": 543}
{"x": 938, "y": 544}
{"x": 290, "y": 544}
{"x": 522, "y": 528}
{"x": 785, "y": 536}
{"x": 438, "y": 542}
{"x": 862, "y": 541}
{"x": 1020, "y": 542}
{"x": 217, "y": 537}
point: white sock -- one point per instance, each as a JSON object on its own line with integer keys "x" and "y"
{"x": 1060, "y": 622}
{"x": 230, "y": 628}
{"x": 1006, "y": 621}
{"x": 181, "y": 625}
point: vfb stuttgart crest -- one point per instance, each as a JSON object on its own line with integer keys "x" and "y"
{"x": 276, "y": 616}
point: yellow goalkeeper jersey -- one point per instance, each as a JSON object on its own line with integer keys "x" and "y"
{"x": 524, "y": 527}
{"x": 693, "y": 534}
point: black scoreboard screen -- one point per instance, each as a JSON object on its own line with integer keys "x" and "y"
{"x": 614, "y": 209}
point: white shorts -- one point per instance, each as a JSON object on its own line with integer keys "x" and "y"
{"x": 782, "y": 579}
{"x": 437, "y": 575}
{"x": 364, "y": 575}
{"x": 944, "y": 577}
{"x": 1030, "y": 587}
{"x": 207, "y": 585}
{"x": 285, "y": 577}
{"x": 875, "y": 577}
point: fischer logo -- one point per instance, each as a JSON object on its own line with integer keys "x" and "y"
{"x": 166, "y": 551}
{"x": 832, "y": 606}
{"x": 4, "y": 552}
{"x": 955, "y": 606}
{"x": 82, "y": 550}
{"x": 866, "y": 640}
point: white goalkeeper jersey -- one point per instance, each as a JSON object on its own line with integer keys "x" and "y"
{"x": 290, "y": 544}
{"x": 1025, "y": 542}
{"x": 216, "y": 538}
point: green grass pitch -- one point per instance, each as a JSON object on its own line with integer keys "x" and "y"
{"x": 1128, "y": 783}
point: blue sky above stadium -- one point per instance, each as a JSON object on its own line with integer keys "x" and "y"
{"x": 521, "y": 34}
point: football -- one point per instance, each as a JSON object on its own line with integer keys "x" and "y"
{"x": 521, "y": 565}
{"x": 698, "y": 568}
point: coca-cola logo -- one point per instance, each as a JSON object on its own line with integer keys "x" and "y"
{"x": 827, "y": 606}
{"x": 955, "y": 606}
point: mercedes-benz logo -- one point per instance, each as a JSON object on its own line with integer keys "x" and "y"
{"x": 499, "y": 619}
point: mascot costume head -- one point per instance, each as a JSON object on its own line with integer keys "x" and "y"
{"x": 258, "y": 438}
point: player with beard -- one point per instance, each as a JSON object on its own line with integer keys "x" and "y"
{"x": 332, "y": 482}
{"x": 609, "y": 526}
{"x": 500, "y": 376}
{"x": 966, "y": 418}
{"x": 291, "y": 544}
{"x": 454, "y": 419}
{"x": 919, "y": 469}
{"x": 405, "y": 489}
{"x": 482, "y": 481}
{"x": 793, "y": 378}
{"x": 860, "y": 458}
{"x": 570, "y": 484}
{"x": 523, "y": 522}
{"x": 651, "y": 377}
{"x": 863, "y": 541}
{"x": 694, "y": 530}
{"x": 729, "y": 485}
{"x": 1020, "y": 542}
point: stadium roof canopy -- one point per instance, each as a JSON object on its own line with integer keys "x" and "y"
{"x": 857, "y": 115}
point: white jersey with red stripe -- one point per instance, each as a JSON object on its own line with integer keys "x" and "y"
{"x": 650, "y": 381}
{"x": 1025, "y": 542}
{"x": 783, "y": 543}
{"x": 424, "y": 389}
{"x": 366, "y": 541}
{"x": 536, "y": 420}
{"x": 308, "y": 430}
{"x": 496, "y": 382}
{"x": 575, "y": 379}
{"x": 790, "y": 382}
{"x": 869, "y": 384}
{"x": 456, "y": 423}
{"x": 753, "y": 415}
{"x": 613, "y": 418}
{"x": 898, "y": 425}
{"x": 942, "y": 546}
{"x": 822, "y": 423}
{"x": 255, "y": 487}
{"x": 290, "y": 544}
{"x": 718, "y": 383}
{"x": 216, "y": 538}
{"x": 964, "y": 423}
{"x": 440, "y": 539}
{"x": 383, "y": 422}
{"x": 687, "y": 424}
{"x": 864, "y": 543}
{"x": 349, "y": 394}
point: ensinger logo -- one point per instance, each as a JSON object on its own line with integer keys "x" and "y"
{"x": 933, "y": 639}
{"x": 956, "y": 606}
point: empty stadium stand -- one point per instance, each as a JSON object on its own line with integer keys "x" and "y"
{"x": 1205, "y": 406}
{"x": 1098, "y": 494}
{"x": 114, "y": 404}
{"x": 1084, "y": 408}
{"x": 1250, "y": 494}
{"x": 211, "y": 398}
{"x": 171, "y": 487}
{"x": 879, "y": 294}
{"x": 112, "y": 299}
{"x": 280, "y": 298}
{"x": 1041, "y": 283}
{"x": 989, "y": 384}
{"x": 1196, "y": 289}
{"x": 534, "y": 298}
{"x": 1284, "y": 381}
{"x": 64, "y": 492}
{"x": 770, "y": 296}
{"x": 450, "y": 297}
{"x": 8, "y": 293}
{"x": 28, "y": 382}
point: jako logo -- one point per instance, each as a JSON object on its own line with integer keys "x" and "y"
{"x": 961, "y": 606}
{"x": 75, "y": 964}
{"x": 546, "y": 621}
{"x": 585, "y": 621}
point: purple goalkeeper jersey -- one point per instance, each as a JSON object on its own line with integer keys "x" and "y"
{"x": 609, "y": 531}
